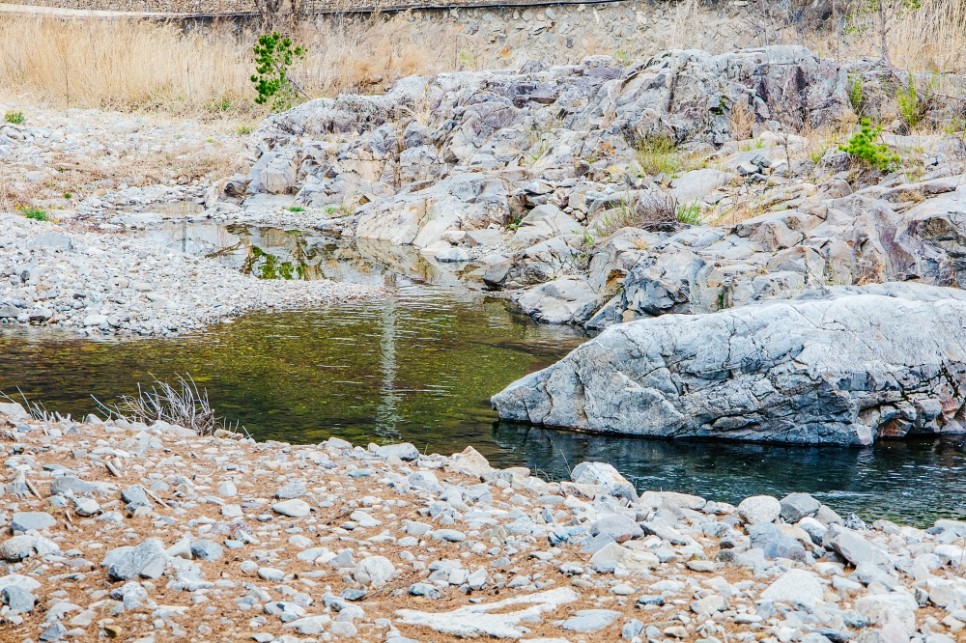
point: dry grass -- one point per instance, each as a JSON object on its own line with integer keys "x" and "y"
{"x": 140, "y": 65}
{"x": 181, "y": 404}
{"x": 652, "y": 211}
{"x": 122, "y": 65}
{"x": 742, "y": 119}
{"x": 931, "y": 39}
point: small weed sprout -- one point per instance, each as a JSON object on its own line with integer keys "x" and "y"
{"x": 14, "y": 117}
{"x": 862, "y": 147}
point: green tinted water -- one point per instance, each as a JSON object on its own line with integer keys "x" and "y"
{"x": 420, "y": 365}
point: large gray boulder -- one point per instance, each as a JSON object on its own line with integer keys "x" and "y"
{"x": 844, "y": 365}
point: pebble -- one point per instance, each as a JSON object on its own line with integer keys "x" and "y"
{"x": 292, "y": 508}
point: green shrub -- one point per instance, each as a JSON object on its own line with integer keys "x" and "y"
{"x": 915, "y": 105}
{"x": 273, "y": 57}
{"x": 862, "y": 147}
{"x": 689, "y": 213}
{"x": 37, "y": 214}
{"x": 15, "y": 118}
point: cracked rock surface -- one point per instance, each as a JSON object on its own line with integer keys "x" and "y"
{"x": 846, "y": 365}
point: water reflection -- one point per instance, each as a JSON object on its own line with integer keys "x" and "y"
{"x": 421, "y": 365}
{"x": 912, "y": 480}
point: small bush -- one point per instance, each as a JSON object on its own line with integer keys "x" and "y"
{"x": 37, "y": 214}
{"x": 689, "y": 213}
{"x": 862, "y": 147}
{"x": 856, "y": 93}
{"x": 742, "y": 119}
{"x": 181, "y": 403}
{"x": 15, "y": 117}
{"x": 653, "y": 211}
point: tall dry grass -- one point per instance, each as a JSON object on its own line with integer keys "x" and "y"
{"x": 142, "y": 65}
{"x": 131, "y": 65}
{"x": 120, "y": 64}
{"x": 931, "y": 39}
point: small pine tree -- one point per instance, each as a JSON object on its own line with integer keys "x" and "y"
{"x": 273, "y": 57}
{"x": 862, "y": 147}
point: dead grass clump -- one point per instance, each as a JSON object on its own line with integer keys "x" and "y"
{"x": 181, "y": 404}
{"x": 742, "y": 119}
{"x": 653, "y": 211}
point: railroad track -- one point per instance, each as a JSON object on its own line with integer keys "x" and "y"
{"x": 231, "y": 9}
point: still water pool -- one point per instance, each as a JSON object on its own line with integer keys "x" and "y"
{"x": 419, "y": 366}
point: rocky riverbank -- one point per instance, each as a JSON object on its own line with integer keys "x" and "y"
{"x": 148, "y": 533}
{"x": 602, "y": 192}
{"x": 89, "y": 283}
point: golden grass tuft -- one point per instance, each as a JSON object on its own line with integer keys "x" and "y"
{"x": 742, "y": 119}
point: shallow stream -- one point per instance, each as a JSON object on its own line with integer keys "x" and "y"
{"x": 420, "y": 365}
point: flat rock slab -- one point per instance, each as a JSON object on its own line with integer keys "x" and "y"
{"x": 27, "y": 520}
{"x": 477, "y": 620}
{"x": 844, "y": 365}
{"x": 292, "y": 508}
{"x": 796, "y": 587}
{"x": 590, "y": 620}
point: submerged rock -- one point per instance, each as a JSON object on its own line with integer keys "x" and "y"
{"x": 838, "y": 366}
